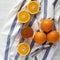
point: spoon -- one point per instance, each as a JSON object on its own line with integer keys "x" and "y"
{"x": 35, "y": 52}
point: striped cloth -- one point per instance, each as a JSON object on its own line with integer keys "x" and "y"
{"x": 13, "y": 27}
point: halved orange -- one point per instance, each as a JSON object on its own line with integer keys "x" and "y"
{"x": 23, "y": 16}
{"x": 47, "y": 25}
{"x": 27, "y": 32}
{"x": 53, "y": 36}
{"x": 23, "y": 48}
{"x": 33, "y": 7}
{"x": 40, "y": 37}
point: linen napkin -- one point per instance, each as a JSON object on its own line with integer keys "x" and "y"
{"x": 13, "y": 27}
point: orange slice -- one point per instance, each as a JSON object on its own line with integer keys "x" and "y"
{"x": 53, "y": 36}
{"x": 23, "y": 16}
{"x": 47, "y": 25}
{"x": 27, "y": 32}
{"x": 33, "y": 7}
{"x": 23, "y": 49}
{"x": 40, "y": 37}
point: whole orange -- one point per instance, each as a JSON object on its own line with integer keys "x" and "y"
{"x": 40, "y": 37}
{"x": 53, "y": 36}
{"x": 46, "y": 25}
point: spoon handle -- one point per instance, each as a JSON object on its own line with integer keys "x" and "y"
{"x": 34, "y": 53}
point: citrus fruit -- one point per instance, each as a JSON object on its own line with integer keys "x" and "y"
{"x": 23, "y": 49}
{"x": 33, "y": 7}
{"x": 53, "y": 36}
{"x": 23, "y": 16}
{"x": 27, "y": 32}
{"x": 47, "y": 25}
{"x": 40, "y": 37}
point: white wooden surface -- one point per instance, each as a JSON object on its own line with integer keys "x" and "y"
{"x": 5, "y": 7}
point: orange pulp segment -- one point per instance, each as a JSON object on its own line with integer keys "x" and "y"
{"x": 33, "y": 7}
{"x": 23, "y": 49}
{"x": 23, "y": 16}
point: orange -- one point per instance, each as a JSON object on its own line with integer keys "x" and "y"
{"x": 33, "y": 7}
{"x": 23, "y": 16}
{"x": 27, "y": 32}
{"x": 53, "y": 36}
{"x": 47, "y": 25}
{"x": 40, "y": 37}
{"x": 23, "y": 49}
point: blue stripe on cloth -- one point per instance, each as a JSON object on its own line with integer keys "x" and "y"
{"x": 48, "y": 49}
{"x": 46, "y": 53}
{"x": 54, "y": 25}
{"x": 55, "y": 2}
{"x": 22, "y": 4}
{"x": 8, "y": 39}
{"x": 45, "y": 8}
{"x": 31, "y": 46}
{"x": 36, "y": 58}
{"x": 17, "y": 34}
{"x": 9, "y": 35}
{"x": 30, "y": 24}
